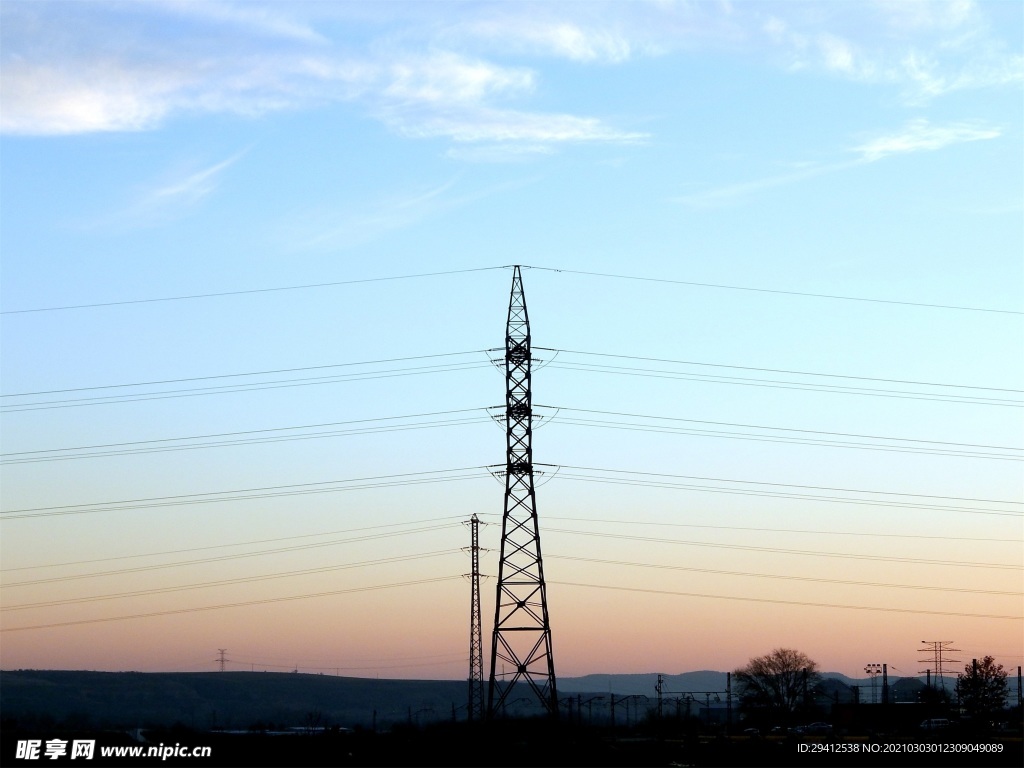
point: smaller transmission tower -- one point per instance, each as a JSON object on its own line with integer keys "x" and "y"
{"x": 475, "y": 704}
{"x": 873, "y": 670}
{"x": 220, "y": 657}
{"x": 940, "y": 650}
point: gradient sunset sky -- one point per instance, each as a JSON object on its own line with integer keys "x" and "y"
{"x": 256, "y": 265}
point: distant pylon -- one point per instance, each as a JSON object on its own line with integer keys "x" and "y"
{"x": 522, "y": 631}
{"x": 475, "y": 704}
{"x": 940, "y": 650}
{"x": 220, "y": 657}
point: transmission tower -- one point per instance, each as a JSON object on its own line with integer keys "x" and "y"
{"x": 220, "y": 657}
{"x": 522, "y": 631}
{"x": 937, "y": 649}
{"x": 475, "y": 704}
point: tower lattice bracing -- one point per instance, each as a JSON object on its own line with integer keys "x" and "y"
{"x": 521, "y": 647}
{"x": 475, "y": 703}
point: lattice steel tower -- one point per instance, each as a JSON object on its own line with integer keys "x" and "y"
{"x": 475, "y": 704}
{"x": 522, "y": 631}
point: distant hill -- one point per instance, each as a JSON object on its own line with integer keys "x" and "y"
{"x": 269, "y": 700}
{"x": 643, "y": 684}
{"x": 232, "y": 700}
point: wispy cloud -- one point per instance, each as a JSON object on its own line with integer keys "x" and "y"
{"x": 45, "y": 99}
{"x": 447, "y": 78}
{"x": 922, "y": 136}
{"x": 49, "y": 88}
{"x": 924, "y": 48}
{"x": 917, "y": 136}
{"x": 194, "y": 187}
{"x": 168, "y": 199}
{"x": 341, "y": 227}
{"x": 251, "y": 17}
{"x": 720, "y": 196}
{"x": 88, "y": 67}
{"x": 484, "y": 124}
{"x": 559, "y": 37}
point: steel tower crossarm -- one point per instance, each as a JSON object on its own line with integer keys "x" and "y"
{"x": 522, "y": 630}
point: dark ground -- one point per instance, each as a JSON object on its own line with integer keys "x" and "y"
{"x": 510, "y": 743}
{"x": 317, "y": 720}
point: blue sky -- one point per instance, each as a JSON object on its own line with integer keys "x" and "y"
{"x": 162, "y": 150}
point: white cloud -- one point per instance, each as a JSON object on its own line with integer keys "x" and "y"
{"x": 501, "y": 125}
{"x": 113, "y": 67}
{"x": 915, "y": 15}
{"x": 922, "y": 136}
{"x": 916, "y": 136}
{"x": 555, "y": 37}
{"x": 925, "y": 48}
{"x": 729, "y": 193}
{"x": 193, "y": 187}
{"x": 446, "y": 78}
{"x": 174, "y": 196}
{"x": 52, "y": 87}
{"x": 251, "y": 16}
{"x": 346, "y": 227}
{"x": 837, "y": 53}
{"x": 49, "y": 100}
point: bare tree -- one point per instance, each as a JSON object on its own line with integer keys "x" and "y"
{"x": 778, "y": 681}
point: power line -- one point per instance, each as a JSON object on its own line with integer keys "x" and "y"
{"x": 457, "y": 518}
{"x": 872, "y": 534}
{"x": 641, "y": 479}
{"x": 131, "y": 396}
{"x": 479, "y": 351}
{"x": 623, "y": 370}
{"x": 791, "y": 485}
{"x": 746, "y": 574}
{"x": 804, "y": 603}
{"x": 246, "y": 373}
{"x": 411, "y": 478}
{"x": 785, "y": 429}
{"x": 218, "y": 441}
{"x": 219, "y": 559}
{"x": 929, "y": 449}
{"x": 667, "y": 281}
{"x": 776, "y": 370}
{"x": 799, "y": 552}
{"x": 377, "y": 481}
{"x": 225, "y": 582}
{"x": 249, "y": 291}
{"x": 275, "y": 540}
{"x": 724, "y": 286}
{"x": 453, "y": 658}
{"x": 782, "y": 495}
{"x": 246, "y": 603}
{"x": 233, "y": 388}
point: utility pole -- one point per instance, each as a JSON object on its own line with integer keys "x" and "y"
{"x": 728, "y": 703}
{"x": 522, "y": 629}
{"x": 475, "y": 706}
{"x": 220, "y": 657}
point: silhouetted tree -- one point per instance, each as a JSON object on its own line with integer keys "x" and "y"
{"x": 777, "y": 681}
{"x": 982, "y": 689}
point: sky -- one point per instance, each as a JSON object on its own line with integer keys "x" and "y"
{"x": 256, "y": 262}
